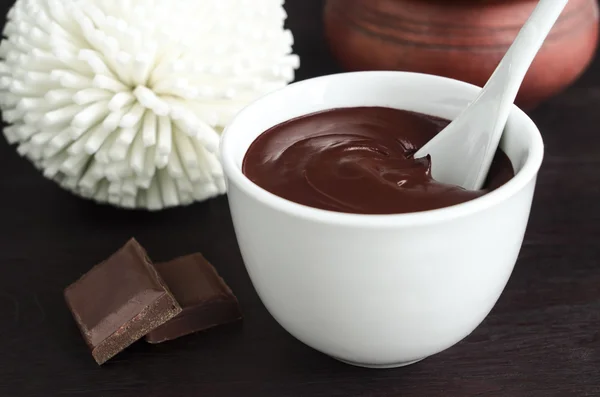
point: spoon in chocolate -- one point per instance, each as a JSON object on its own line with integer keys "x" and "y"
{"x": 461, "y": 154}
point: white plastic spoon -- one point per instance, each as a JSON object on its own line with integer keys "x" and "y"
{"x": 462, "y": 153}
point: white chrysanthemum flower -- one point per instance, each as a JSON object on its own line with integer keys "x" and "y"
{"x": 123, "y": 101}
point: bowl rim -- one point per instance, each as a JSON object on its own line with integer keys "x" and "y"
{"x": 523, "y": 177}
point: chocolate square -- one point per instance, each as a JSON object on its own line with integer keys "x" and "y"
{"x": 119, "y": 301}
{"x": 205, "y": 298}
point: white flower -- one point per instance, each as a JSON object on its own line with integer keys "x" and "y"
{"x": 123, "y": 101}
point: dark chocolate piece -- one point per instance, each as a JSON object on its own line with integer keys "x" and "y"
{"x": 358, "y": 160}
{"x": 119, "y": 301}
{"x": 203, "y": 295}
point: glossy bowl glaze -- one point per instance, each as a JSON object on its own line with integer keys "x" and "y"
{"x": 379, "y": 290}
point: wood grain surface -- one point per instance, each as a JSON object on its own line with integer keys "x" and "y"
{"x": 541, "y": 339}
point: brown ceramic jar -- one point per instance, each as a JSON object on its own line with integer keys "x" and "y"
{"x": 462, "y": 39}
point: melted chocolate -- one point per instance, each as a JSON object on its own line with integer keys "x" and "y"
{"x": 358, "y": 160}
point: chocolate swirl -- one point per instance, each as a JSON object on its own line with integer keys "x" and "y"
{"x": 358, "y": 160}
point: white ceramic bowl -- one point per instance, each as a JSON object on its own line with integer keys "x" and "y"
{"x": 379, "y": 290}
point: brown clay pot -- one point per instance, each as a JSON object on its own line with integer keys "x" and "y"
{"x": 462, "y": 39}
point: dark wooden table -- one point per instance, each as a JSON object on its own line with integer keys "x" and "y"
{"x": 540, "y": 340}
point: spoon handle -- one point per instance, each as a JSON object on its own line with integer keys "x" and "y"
{"x": 521, "y": 54}
{"x": 476, "y": 132}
